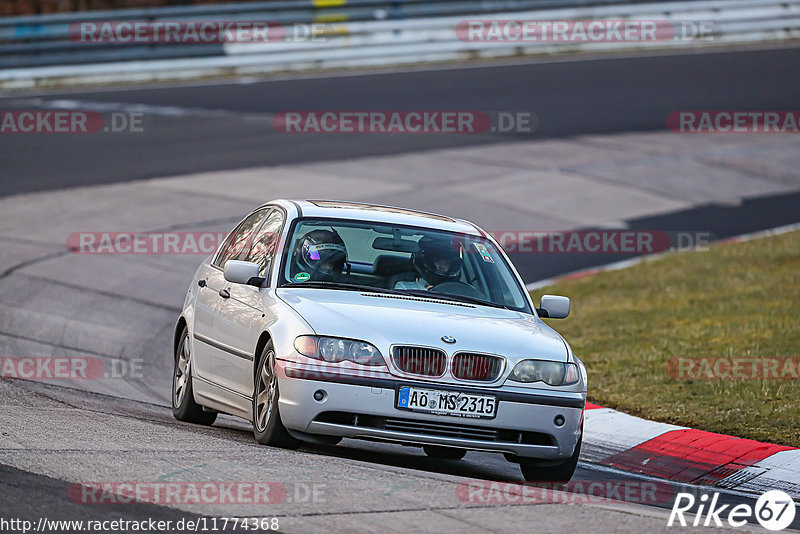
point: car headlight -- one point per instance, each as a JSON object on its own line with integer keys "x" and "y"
{"x": 335, "y": 350}
{"x": 552, "y": 373}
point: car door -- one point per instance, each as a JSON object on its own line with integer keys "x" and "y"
{"x": 208, "y": 348}
{"x": 236, "y": 315}
{"x": 205, "y": 306}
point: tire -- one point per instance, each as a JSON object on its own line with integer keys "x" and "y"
{"x": 184, "y": 408}
{"x": 539, "y": 471}
{"x": 267, "y": 426}
{"x": 444, "y": 453}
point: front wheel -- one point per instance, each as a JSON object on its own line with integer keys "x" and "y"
{"x": 267, "y": 426}
{"x": 538, "y": 471}
{"x": 184, "y": 408}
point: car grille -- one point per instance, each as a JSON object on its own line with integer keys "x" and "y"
{"x": 420, "y": 361}
{"x": 478, "y": 367}
{"x": 434, "y": 428}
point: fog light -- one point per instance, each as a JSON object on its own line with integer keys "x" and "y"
{"x": 559, "y": 420}
{"x": 319, "y": 395}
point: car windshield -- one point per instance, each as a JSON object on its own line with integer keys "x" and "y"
{"x": 338, "y": 254}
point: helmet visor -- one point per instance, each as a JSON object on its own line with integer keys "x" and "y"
{"x": 325, "y": 257}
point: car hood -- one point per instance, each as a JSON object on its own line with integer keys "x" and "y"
{"x": 385, "y": 320}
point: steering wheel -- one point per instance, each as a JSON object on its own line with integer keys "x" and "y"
{"x": 457, "y": 288}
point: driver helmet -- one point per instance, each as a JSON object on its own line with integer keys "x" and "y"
{"x": 437, "y": 260}
{"x": 321, "y": 253}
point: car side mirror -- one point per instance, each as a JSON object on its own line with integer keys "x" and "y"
{"x": 553, "y": 307}
{"x": 242, "y": 272}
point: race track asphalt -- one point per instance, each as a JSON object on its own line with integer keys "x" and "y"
{"x": 121, "y": 429}
{"x": 208, "y": 127}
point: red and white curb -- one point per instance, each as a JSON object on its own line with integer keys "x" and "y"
{"x": 678, "y": 453}
{"x": 681, "y": 454}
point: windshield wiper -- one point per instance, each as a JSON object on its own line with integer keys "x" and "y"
{"x": 341, "y": 285}
{"x": 456, "y": 298}
{"x": 415, "y": 292}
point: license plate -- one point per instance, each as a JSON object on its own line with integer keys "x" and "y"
{"x": 446, "y": 402}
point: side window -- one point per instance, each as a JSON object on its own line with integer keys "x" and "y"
{"x": 237, "y": 243}
{"x": 266, "y": 242}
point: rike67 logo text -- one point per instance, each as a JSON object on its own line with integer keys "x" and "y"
{"x": 774, "y": 510}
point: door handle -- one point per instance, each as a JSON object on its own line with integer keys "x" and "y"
{"x": 224, "y": 293}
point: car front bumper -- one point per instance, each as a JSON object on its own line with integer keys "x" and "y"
{"x": 365, "y": 408}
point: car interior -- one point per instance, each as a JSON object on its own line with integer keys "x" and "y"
{"x": 380, "y": 257}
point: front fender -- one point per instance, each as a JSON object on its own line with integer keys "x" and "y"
{"x": 283, "y": 324}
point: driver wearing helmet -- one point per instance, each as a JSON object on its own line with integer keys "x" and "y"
{"x": 319, "y": 255}
{"x": 436, "y": 261}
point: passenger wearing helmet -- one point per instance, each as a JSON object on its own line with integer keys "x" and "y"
{"x": 436, "y": 261}
{"x": 319, "y": 255}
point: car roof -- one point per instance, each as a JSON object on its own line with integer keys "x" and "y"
{"x": 338, "y": 209}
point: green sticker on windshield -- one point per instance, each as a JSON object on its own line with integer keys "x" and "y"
{"x": 301, "y": 277}
{"x": 481, "y": 248}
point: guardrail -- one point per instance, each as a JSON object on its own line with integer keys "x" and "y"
{"x": 38, "y": 50}
{"x": 31, "y": 41}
